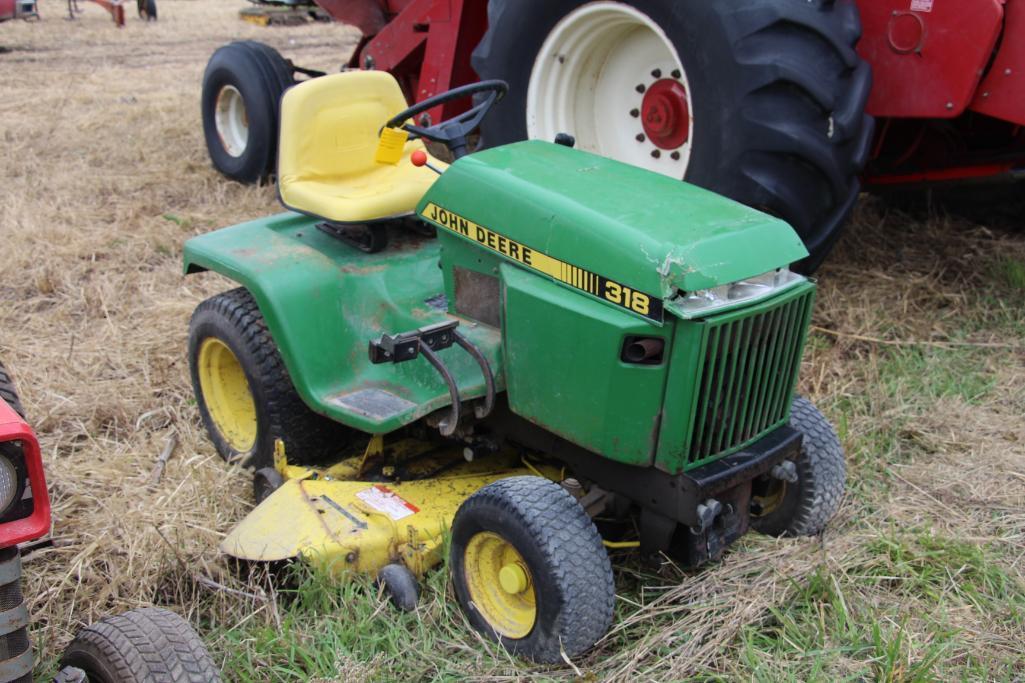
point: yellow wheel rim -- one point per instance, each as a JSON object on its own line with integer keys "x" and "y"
{"x": 500, "y": 585}
{"x": 772, "y": 498}
{"x": 226, "y": 394}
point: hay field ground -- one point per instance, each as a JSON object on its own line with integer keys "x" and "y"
{"x": 918, "y": 355}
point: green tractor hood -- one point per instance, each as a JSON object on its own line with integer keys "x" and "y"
{"x": 647, "y": 231}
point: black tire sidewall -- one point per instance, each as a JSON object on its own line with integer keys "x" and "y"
{"x": 240, "y": 66}
{"x": 207, "y": 324}
{"x": 548, "y": 601}
{"x": 85, "y": 656}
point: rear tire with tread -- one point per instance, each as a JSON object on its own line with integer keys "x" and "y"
{"x": 778, "y": 93}
{"x": 234, "y": 318}
{"x": 148, "y": 645}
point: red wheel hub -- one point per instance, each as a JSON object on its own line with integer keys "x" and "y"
{"x": 665, "y": 114}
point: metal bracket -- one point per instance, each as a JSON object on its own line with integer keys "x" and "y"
{"x": 399, "y": 348}
{"x": 426, "y": 341}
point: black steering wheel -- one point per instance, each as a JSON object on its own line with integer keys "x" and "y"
{"x": 453, "y": 132}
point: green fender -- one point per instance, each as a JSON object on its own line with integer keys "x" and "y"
{"x": 324, "y": 301}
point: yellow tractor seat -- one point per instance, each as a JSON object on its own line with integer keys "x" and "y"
{"x": 326, "y": 156}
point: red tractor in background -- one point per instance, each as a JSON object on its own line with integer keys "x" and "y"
{"x": 790, "y": 106}
{"x": 18, "y": 9}
{"x": 150, "y": 644}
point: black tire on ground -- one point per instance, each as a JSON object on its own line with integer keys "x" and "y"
{"x": 778, "y": 98}
{"x": 8, "y": 392}
{"x": 234, "y": 318}
{"x": 400, "y": 585}
{"x": 806, "y": 506}
{"x": 150, "y": 645}
{"x": 569, "y": 568}
{"x": 266, "y": 481}
{"x": 261, "y": 75}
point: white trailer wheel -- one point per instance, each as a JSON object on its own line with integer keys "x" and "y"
{"x": 608, "y": 75}
{"x": 231, "y": 120}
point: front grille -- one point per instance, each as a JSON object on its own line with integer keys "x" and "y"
{"x": 748, "y": 375}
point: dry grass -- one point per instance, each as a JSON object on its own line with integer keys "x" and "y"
{"x": 921, "y": 361}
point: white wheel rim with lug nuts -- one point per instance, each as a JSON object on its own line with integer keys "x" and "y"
{"x": 231, "y": 120}
{"x": 608, "y": 75}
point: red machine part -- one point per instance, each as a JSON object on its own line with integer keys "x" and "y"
{"x": 13, "y": 428}
{"x": 665, "y": 114}
{"x": 1000, "y": 94}
{"x": 927, "y": 56}
{"x": 425, "y": 44}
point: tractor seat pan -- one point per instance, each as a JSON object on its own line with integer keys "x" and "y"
{"x": 326, "y": 158}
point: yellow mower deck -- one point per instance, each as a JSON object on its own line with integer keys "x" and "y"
{"x": 339, "y": 519}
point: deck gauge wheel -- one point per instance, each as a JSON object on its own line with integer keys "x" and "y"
{"x": 400, "y": 585}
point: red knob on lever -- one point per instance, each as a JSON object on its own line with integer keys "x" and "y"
{"x": 419, "y": 158}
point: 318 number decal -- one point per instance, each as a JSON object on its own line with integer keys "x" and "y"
{"x": 624, "y": 296}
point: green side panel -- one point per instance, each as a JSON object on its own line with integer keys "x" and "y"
{"x": 565, "y": 373}
{"x": 639, "y": 228}
{"x": 732, "y": 378}
{"x": 324, "y": 301}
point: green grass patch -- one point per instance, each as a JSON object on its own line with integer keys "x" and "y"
{"x": 1009, "y": 273}
{"x": 890, "y": 618}
{"x": 919, "y": 375}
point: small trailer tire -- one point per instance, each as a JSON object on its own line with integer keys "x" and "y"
{"x": 242, "y": 89}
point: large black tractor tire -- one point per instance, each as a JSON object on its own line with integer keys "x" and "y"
{"x": 566, "y": 577}
{"x": 252, "y": 76}
{"x": 8, "y": 392}
{"x": 804, "y": 507}
{"x": 233, "y": 328}
{"x": 777, "y": 98}
{"x": 148, "y": 645}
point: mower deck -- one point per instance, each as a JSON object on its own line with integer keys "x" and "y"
{"x": 360, "y": 514}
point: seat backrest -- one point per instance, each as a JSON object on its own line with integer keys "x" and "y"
{"x": 330, "y": 124}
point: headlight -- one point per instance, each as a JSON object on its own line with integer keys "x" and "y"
{"x": 704, "y": 301}
{"x": 9, "y": 482}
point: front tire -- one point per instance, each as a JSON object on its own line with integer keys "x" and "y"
{"x": 242, "y": 89}
{"x": 529, "y": 569}
{"x": 805, "y": 507}
{"x": 148, "y": 645}
{"x": 759, "y": 100}
{"x": 245, "y": 396}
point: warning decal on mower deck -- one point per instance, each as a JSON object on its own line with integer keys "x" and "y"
{"x": 386, "y": 501}
{"x": 596, "y": 285}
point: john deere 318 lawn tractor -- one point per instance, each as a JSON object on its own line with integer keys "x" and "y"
{"x": 519, "y": 349}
